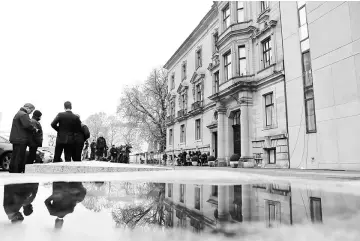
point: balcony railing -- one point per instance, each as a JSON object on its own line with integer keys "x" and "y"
{"x": 196, "y": 105}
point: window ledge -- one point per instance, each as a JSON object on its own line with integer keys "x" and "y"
{"x": 270, "y": 127}
{"x": 270, "y": 66}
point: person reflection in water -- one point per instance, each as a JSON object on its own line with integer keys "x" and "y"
{"x": 17, "y": 196}
{"x": 63, "y": 200}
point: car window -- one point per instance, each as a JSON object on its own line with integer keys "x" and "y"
{"x": 3, "y": 140}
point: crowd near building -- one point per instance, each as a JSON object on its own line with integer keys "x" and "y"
{"x": 276, "y": 82}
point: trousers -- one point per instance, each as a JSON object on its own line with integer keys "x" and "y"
{"x": 18, "y": 158}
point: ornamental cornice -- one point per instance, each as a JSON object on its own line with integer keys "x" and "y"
{"x": 196, "y": 77}
{"x": 267, "y": 26}
{"x": 182, "y": 87}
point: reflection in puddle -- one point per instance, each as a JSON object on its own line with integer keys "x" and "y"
{"x": 237, "y": 210}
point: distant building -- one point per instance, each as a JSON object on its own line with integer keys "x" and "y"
{"x": 226, "y": 84}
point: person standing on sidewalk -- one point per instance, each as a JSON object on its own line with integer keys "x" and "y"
{"x": 100, "y": 147}
{"x": 92, "y": 149}
{"x": 36, "y": 139}
{"x": 66, "y": 124}
{"x": 113, "y": 153}
{"x": 85, "y": 153}
{"x": 21, "y": 129}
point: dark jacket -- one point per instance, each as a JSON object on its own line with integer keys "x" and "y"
{"x": 64, "y": 198}
{"x": 101, "y": 143}
{"x": 18, "y": 195}
{"x": 83, "y": 135}
{"x": 66, "y": 124}
{"x": 36, "y": 139}
{"x": 21, "y": 128}
{"x": 113, "y": 151}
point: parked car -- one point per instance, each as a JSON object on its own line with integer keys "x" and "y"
{"x": 42, "y": 155}
{"x": 5, "y": 153}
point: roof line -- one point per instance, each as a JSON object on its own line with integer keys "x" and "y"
{"x": 203, "y": 20}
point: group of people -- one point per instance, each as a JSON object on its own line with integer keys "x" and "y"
{"x": 65, "y": 196}
{"x": 187, "y": 158}
{"x": 26, "y": 132}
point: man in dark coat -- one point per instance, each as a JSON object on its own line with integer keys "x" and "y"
{"x": 17, "y": 196}
{"x": 21, "y": 129}
{"x": 80, "y": 138}
{"x": 35, "y": 140}
{"x": 66, "y": 124}
{"x": 100, "y": 147}
{"x": 64, "y": 198}
{"x": 92, "y": 150}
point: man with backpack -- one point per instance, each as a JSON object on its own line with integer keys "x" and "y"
{"x": 100, "y": 147}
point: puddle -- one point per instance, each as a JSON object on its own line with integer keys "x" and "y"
{"x": 172, "y": 211}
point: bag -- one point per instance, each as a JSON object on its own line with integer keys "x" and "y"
{"x": 101, "y": 143}
{"x": 86, "y": 132}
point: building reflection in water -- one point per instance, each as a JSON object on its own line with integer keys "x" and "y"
{"x": 210, "y": 207}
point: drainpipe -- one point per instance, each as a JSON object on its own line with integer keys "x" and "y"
{"x": 285, "y": 92}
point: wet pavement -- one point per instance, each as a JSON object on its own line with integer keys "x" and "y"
{"x": 169, "y": 210}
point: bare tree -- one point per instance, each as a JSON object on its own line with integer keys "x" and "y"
{"x": 145, "y": 106}
{"x": 130, "y": 134}
{"x": 97, "y": 123}
{"x": 149, "y": 212}
{"x": 114, "y": 129}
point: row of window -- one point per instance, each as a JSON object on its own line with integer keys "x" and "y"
{"x": 309, "y": 102}
{"x": 242, "y": 64}
{"x": 274, "y": 211}
{"x": 214, "y": 193}
{"x": 269, "y": 119}
{"x": 273, "y": 207}
{"x": 226, "y": 13}
{"x": 183, "y": 132}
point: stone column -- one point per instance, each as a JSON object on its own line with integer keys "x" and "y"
{"x": 223, "y": 203}
{"x": 229, "y": 149}
{"x": 245, "y": 126}
{"x": 246, "y": 202}
{"x": 221, "y": 135}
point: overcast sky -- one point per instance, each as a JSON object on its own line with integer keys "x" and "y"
{"x": 84, "y": 51}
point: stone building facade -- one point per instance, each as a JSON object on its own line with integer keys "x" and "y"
{"x": 226, "y": 84}
{"x": 322, "y": 68}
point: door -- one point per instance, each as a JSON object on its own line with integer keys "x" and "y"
{"x": 237, "y": 144}
{"x": 216, "y": 145}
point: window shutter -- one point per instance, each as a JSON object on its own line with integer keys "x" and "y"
{"x": 186, "y": 99}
